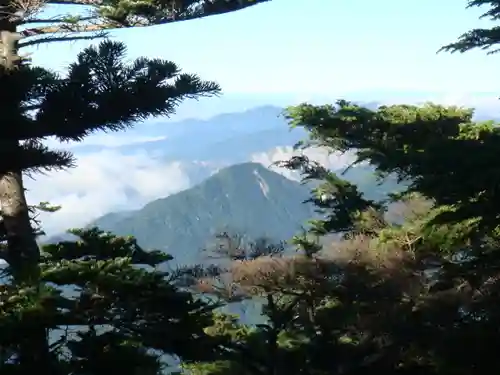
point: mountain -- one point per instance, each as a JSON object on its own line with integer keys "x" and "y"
{"x": 244, "y": 198}
{"x": 240, "y": 147}
{"x": 169, "y": 138}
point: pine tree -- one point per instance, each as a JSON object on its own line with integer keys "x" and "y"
{"x": 106, "y": 307}
{"x": 412, "y": 286}
{"x": 411, "y": 294}
{"x": 419, "y": 294}
{"x": 99, "y": 92}
{"x": 18, "y": 29}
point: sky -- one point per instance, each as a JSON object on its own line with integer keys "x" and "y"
{"x": 281, "y": 52}
{"x": 318, "y": 47}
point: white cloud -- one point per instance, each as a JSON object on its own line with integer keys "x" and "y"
{"x": 333, "y": 161}
{"x": 107, "y": 181}
{"x": 103, "y": 182}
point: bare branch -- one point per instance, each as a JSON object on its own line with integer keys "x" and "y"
{"x": 18, "y": 10}
{"x": 77, "y": 2}
{"x": 54, "y": 20}
{"x": 51, "y": 39}
{"x": 68, "y": 28}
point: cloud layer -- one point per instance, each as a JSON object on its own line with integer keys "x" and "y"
{"x": 103, "y": 182}
{"x": 108, "y": 181}
{"x": 333, "y": 161}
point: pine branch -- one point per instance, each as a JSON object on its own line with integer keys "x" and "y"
{"x": 101, "y": 92}
{"x": 34, "y": 157}
{"x": 485, "y": 39}
{"x": 68, "y": 38}
{"x": 54, "y": 20}
{"x": 118, "y": 14}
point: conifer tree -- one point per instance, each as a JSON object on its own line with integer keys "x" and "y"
{"x": 441, "y": 265}
{"x": 105, "y": 306}
{"x": 101, "y": 91}
{"x": 408, "y": 295}
{"x": 412, "y": 287}
{"x": 24, "y": 23}
{"x": 486, "y": 39}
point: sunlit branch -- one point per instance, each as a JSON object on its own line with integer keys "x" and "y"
{"x": 54, "y": 20}
{"x": 76, "y": 2}
{"x": 49, "y": 39}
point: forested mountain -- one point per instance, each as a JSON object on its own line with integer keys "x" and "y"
{"x": 245, "y": 198}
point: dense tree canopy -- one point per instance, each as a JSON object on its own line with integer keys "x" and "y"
{"x": 99, "y": 92}
{"x": 412, "y": 285}
{"x": 408, "y": 285}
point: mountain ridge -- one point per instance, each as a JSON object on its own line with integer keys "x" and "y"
{"x": 243, "y": 198}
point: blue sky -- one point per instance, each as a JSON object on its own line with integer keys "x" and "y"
{"x": 319, "y": 47}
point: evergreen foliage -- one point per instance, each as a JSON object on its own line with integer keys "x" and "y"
{"x": 105, "y": 306}
{"x": 485, "y": 39}
{"x": 99, "y": 92}
{"x": 412, "y": 286}
{"x": 409, "y": 288}
{"x": 414, "y": 295}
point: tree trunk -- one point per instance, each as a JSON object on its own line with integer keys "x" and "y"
{"x": 22, "y": 251}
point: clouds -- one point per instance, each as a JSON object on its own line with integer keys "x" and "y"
{"x": 102, "y": 182}
{"x": 108, "y": 181}
{"x": 332, "y": 161}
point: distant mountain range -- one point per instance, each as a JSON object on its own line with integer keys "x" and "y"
{"x": 196, "y": 139}
{"x": 245, "y": 198}
{"x": 230, "y": 137}
{"x": 235, "y": 134}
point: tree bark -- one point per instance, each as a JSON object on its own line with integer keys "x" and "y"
{"x": 22, "y": 251}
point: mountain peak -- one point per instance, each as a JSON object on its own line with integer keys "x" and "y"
{"x": 245, "y": 198}
{"x": 247, "y": 167}
{"x": 251, "y": 174}
{"x": 250, "y": 180}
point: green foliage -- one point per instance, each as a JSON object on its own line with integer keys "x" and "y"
{"x": 96, "y": 285}
{"x": 101, "y": 299}
{"x": 421, "y": 145}
{"x": 414, "y": 291}
{"x": 485, "y": 39}
{"x": 150, "y": 12}
{"x": 95, "y": 18}
{"x": 101, "y": 92}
